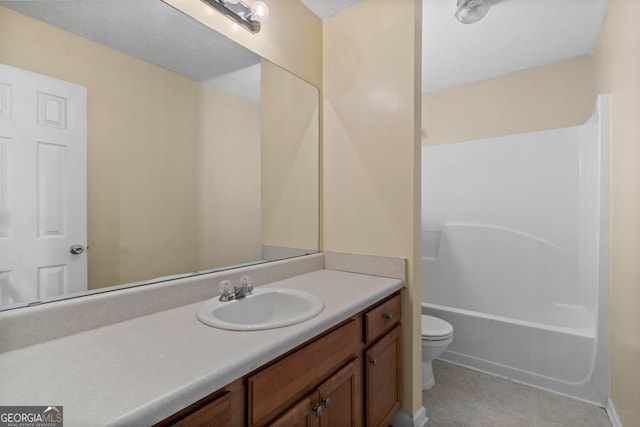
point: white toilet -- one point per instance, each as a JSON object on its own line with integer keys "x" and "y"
{"x": 436, "y": 336}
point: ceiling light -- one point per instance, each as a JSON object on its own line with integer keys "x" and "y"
{"x": 250, "y": 17}
{"x": 471, "y": 11}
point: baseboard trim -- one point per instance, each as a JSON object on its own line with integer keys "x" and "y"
{"x": 419, "y": 419}
{"x": 613, "y": 415}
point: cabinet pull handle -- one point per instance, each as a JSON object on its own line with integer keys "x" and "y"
{"x": 326, "y": 402}
{"x": 388, "y": 317}
{"x": 318, "y": 411}
{"x": 373, "y": 361}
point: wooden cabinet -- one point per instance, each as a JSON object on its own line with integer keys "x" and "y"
{"x": 337, "y": 402}
{"x": 302, "y": 414}
{"x": 347, "y": 377}
{"x": 214, "y": 414}
{"x": 382, "y": 318}
{"x": 383, "y": 362}
{"x": 383, "y": 379}
{"x": 341, "y": 397}
{"x": 278, "y": 386}
{"x": 224, "y": 408}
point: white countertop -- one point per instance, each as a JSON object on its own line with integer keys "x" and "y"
{"x": 140, "y": 371}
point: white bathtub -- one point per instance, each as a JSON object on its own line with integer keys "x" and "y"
{"x": 515, "y": 255}
{"x": 557, "y": 359}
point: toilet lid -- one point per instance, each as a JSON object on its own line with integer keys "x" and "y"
{"x": 432, "y": 327}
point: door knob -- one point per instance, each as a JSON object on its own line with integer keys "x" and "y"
{"x": 318, "y": 411}
{"x": 373, "y": 361}
{"x": 76, "y": 249}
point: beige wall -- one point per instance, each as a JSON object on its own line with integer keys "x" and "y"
{"x": 145, "y": 142}
{"x": 370, "y": 111}
{"x": 290, "y": 160}
{"x": 230, "y": 180}
{"x": 617, "y": 61}
{"x": 291, "y": 38}
{"x": 547, "y": 97}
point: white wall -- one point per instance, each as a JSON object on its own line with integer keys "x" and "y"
{"x": 512, "y": 215}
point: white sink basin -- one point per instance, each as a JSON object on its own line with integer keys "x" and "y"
{"x": 266, "y": 308}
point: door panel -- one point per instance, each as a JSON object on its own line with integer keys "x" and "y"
{"x": 340, "y": 397}
{"x": 302, "y": 414}
{"x": 51, "y": 172}
{"x": 42, "y": 186}
{"x": 383, "y": 379}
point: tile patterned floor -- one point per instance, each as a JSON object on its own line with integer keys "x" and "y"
{"x": 463, "y": 397}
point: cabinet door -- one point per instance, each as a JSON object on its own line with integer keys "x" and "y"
{"x": 302, "y": 414}
{"x": 383, "y": 379}
{"x": 341, "y": 397}
{"x": 215, "y": 414}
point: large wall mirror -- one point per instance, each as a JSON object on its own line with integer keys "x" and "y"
{"x": 138, "y": 145}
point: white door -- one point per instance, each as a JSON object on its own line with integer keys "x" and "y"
{"x": 42, "y": 187}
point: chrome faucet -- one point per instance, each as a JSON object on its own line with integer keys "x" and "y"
{"x": 230, "y": 292}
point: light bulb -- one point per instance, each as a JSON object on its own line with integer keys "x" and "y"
{"x": 259, "y": 11}
{"x": 231, "y": 1}
{"x": 471, "y": 11}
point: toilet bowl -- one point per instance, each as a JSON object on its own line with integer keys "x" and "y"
{"x": 436, "y": 336}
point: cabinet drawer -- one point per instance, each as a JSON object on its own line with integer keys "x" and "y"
{"x": 382, "y": 318}
{"x": 223, "y": 408}
{"x": 215, "y": 414}
{"x": 280, "y": 384}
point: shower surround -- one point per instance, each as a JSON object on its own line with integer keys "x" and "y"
{"x": 515, "y": 247}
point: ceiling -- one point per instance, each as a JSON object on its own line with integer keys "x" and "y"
{"x": 327, "y": 8}
{"x": 515, "y": 35}
{"x": 157, "y": 33}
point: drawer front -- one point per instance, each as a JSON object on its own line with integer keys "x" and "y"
{"x": 283, "y": 382}
{"x": 215, "y": 414}
{"x": 383, "y": 318}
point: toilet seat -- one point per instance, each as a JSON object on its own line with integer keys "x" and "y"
{"x": 434, "y": 329}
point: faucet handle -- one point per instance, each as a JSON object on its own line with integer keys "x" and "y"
{"x": 245, "y": 283}
{"x": 226, "y": 290}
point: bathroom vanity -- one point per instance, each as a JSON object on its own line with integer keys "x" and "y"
{"x": 350, "y": 375}
{"x": 166, "y": 367}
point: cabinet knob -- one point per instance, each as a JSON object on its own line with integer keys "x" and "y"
{"x": 388, "y": 317}
{"x": 373, "y": 361}
{"x": 318, "y": 411}
{"x": 326, "y": 402}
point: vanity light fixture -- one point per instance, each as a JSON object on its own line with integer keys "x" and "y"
{"x": 250, "y": 17}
